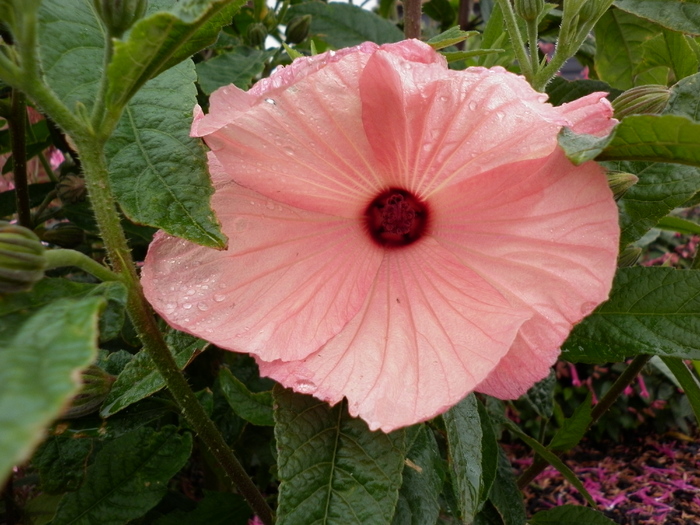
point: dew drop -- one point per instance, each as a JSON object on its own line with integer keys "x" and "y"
{"x": 203, "y": 306}
{"x": 219, "y": 297}
{"x": 240, "y": 224}
{"x": 271, "y": 101}
{"x": 169, "y": 308}
{"x": 270, "y": 205}
{"x": 187, "y": 306}
{"x": 289, "y": 151}
{"x": 304, "y": 386}
{"x": 473, "y": 105}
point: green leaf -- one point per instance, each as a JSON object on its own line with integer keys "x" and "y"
{"x": 333, "y": 470}
{"x": 650, "y": 311}
{"x": 440, "y": 11}
{"x": 553, "y": 460}
{"x": 158, "y": 172}
{"x": 561, "y": 90}
{"x": 39, "y": 372}
{"x": 345, "y": 25}
{"x": 423, "y": 477}
{"x": 541, "y": 396}
{"x": 474, "y": 454}
{"x": 60, "y": 461}
{"x": 688, "y": 381}
{"x": 570, "y": 514}
{"x": 573, "y": 428}
{"x": 684, "y": 98}
{"x": 505, "y": 496}
{"x": 454, "y": 56}
{"x": 140, "y": 378}
{"x": 619, "y": 38}
{"x": 239, "y": 67}
{"x": 256, "y": 408}
{"x": 452, "y": 36}
{"x": 676, "y": 224}
{"x": 216, "y": 508}
{"x": 162, "y": 40}
{"x": 670, "y": 51}
{"x": 495, "y": 36}
{"x": 678, "y": 15}
{"x": 129, "y": 477}
{"x": 582, "y": 148}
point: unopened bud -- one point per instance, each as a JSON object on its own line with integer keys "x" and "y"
{"x": 528, "y": 10}
{"x": 22, "y": 260}
{"x": 641, "y": 100}
{"x": 298, "y": 29}
{"x": 96, "y": 385}
{"x": 120, "y": 15}
{"x": 64, "y": 234}
{"x": 71, "y": 189}
{"x": 257, "y": 33}
{"x": 620, "y": 182}
{"x": 629, "y": 256}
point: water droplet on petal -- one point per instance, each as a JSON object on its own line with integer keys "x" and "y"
{"x": 473, "y": 105}
{"x": 203, "y": 306}
{"x": 304, "y": 386}
{"x": 270, "y": 205}
{"x": 187, "y": 306}
{"x": 219, "y": 297}
{"x": 271, "y": 101}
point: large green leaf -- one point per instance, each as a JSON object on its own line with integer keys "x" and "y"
{"x": 158, "y": 172}
{"x": 573, "y": 428}
{"x": 162, "y": 40}
{"x": 254, "y": 407}
{"x": 216, "y": 508}
{"x": 679, "y": 15}
{"x": 140, "y": 377}
{"x": 39, "y": 372}
{"x": 333, "y": 470}
{"x": 619, "y": 38}
{"x": 667, "y": 52}
{"x": 345, "y": 25}
{"x": 688, "y": 381}
{"x": 650, "y": 311}
{"x": 570, "y": 514}
{"x": 684, "y": 98}
{"x": 129, "y": 476}
{"x": 474, "y": 453}
{"x": 238, "y": 67}
{"x": 505, "y": 496}
{"x": 561, "y": 90}
{"x": 541, "y": 396}
{"x": 423, "y": 477}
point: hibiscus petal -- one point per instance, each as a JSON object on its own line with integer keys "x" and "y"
{"x": 284, "y": 287}
{"x": 430, "y": 126}
{"x": 545, "y": 236}
{"x": 430, "y": 332}
{"x": 591, "y": 114}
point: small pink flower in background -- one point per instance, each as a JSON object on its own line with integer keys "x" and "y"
{"x": 400, "y": 234}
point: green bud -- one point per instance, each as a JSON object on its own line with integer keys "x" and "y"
{"x": 298, "y": 29}
{"x": 528, "y": 10}
{"x": 64, "y": 234}
{"x": 22, "y": 260}
{"x": 641, "y": 100}
{"x": 257, "y": 33}
{"x": 629, "y": 256}
{"x": 120, "y": 15}
{"x": 71, "y": 189}
{"x": 96, "y": 385}
{"x": 620, "y": 182}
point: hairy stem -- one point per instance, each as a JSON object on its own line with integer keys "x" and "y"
{"x": 411, "y": 18}
{"x": 516, "y": 38}
{"x": 60, "y": 258}
{"x": 17, "y": 124}
{"x": 625, "y": 379}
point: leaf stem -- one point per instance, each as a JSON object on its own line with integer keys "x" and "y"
{"x": 627, "y": 376}
{"x": 60, "y": 258}
{"x": 532, "y": 46}
{"x": 17, "y": 124}
{"x": 411, "y": 18}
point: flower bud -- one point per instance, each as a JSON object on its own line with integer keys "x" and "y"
{"x": 629, "y": 256}
{"x": 620, "y": 182}
{"x": 22, "y": 260}
{"x": 641, "y": 100}
{"x": 64, "y": 234}
{"x": 528, "y": 10}
{"x": 298, "y": 29}
{"x": 257, "y": 33}
{"x": 120, "y": 15}
{"x": 96, "y": 385}
{"x": 71, "y": 189}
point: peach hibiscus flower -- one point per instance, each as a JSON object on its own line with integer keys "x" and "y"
{"x": 400, "y": 234}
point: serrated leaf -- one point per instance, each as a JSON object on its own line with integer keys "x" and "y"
{"x": 140, "y": 378}
{"x": 256, "y": 408}
{"x": 541, "y": 396}
{"x": 570, "y": 514}
{"x": 619, "y": 38}
{"x": 650, "y": 311}
{"x": 158, "y": 172}
{"x": 162, "y": 40}
{"x": 216, "y": 508}
{"x": 238, "y": 67}
{"x": 683, "y": 16}
{"x": 505, "y": 496}
{"x": 423, "y": 477}
{"x": 688, "y": 381}
{"x": 452, "y": 36}
{"x": 39, "y": 372}
{"x": 454, "y": 56}
{"x": 129, "y": 477}
{"x": 61, "y": 461}
{"x": 345, "y": 25}
{"x": 573, "y": 428}
{"x": 670, "y": 51}
{"x": 474, "y": 454}
{"x": 684, "y": 100}
{"x": 561, "y": 90}
{"x": 333, "y": 470}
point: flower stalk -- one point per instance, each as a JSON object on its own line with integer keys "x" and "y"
{"x": 17, "y": 123}
{"x": 411, "y": 18}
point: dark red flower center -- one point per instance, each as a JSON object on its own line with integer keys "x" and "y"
{"x": 396, "y": 218}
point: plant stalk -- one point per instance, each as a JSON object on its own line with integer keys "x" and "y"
{"x": 411, "y": 18}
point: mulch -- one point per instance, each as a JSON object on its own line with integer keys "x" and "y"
{"x": 646, "y": 480}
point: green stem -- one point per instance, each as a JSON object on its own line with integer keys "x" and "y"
{"x": 411, "y": 18}
{"x": 17, "y": 124}
{"x": 97, "y": 181}
{"x": 516, "y": 38}
{"x": 50, "y": 196}
{"x": 532, "y": 45}
{"x": 47, "y": 167}
{"x": 99, "y": 107}
{"x": 60, "y": 258}
{"x": 627, "y": 376}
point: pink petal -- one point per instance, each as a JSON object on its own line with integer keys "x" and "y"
{"x": 430, "y": 126}
{"x": 546, "y": 236}
{"x": 591, "y": 114}
{"x": 284, "y": 287}
{"x": 428, "y": 334}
